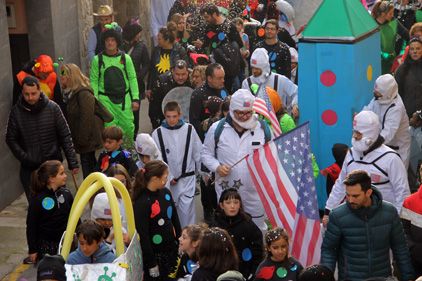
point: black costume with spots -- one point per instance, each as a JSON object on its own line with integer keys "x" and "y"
{"x": 279, "y": 55}
{"x": 270, "y": 270}
{"x": 247, "y": 238}
{"x": 120, "y": 156}
{"x": 158, "y": 225}
{"x": 46, "y": 220}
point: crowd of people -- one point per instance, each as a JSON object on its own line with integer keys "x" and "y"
{"x": 210, "y": 63}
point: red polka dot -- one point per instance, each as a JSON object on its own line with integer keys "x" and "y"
{"x": 329, "y": 117}
{"x": 328, "y": 78}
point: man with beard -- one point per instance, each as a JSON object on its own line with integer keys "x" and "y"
{"x": 263, "y": 76}
{"x": 368, "y": 153}
{"x": 361, "y": 233}
{"x": 230, "y": 140}
{"x": 177, "y": 77}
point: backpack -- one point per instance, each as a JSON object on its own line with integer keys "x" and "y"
{"x": 114, "y": 80}
{"x": 228, "y": 55}
{"x": 220, "y": 128}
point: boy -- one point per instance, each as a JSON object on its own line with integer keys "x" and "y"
{"x": 180, "y": 148}
{"x": 91, "y": 247}
{"x": 114, "y": 153}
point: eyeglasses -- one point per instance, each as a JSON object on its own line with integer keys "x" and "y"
{"x": 244, "y": 113}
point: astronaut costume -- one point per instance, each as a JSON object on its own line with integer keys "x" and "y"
{"x": 180, "y": 148}
{"x": 392, "y": 115}
{"x": 384, "y": 165}
{"x": 286, "y": 89}
{"x": 231, "y": 148}
{"x": 145, "y": 145}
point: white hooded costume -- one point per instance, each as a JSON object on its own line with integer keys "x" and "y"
{"x": 286, "y": 89}
{"x": 145, "y": 145}
{"x": 230, "y": 149}
{"x": 183, "y": 160}
{"x": 383, "y": 164}
{"x": 392, "y": 115}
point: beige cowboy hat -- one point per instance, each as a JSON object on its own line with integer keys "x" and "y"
{"x": 104, "y": 10}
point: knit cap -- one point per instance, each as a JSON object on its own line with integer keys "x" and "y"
{"x": 368, "y": 124}
{"x": 131, "y": 29}
{"x": 51, "y": 268}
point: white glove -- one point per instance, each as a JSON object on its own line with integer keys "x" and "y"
{"x": 154, "y": 272}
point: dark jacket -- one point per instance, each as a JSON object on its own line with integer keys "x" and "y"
{"x": 35, "y": 133}
{"x": 86, "y": 127}
{"x": 47, "y": 217}
{"x": 140, "y": 59}
{"x": 103, "y": 255}
{"x": 360, "y": 241}
{"x": 247, "y": 238}
{"x": 121, "y": 156}
{"x": 409, "y": 79}
{"x": 279, "y": 55}
{"x": 411, "y": 215}
{"x": 197, "y": 110}
{"x": 267, "y": 270}
{"x": 203, "y": 274}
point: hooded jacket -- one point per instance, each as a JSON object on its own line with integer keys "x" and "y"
{"x": 360, "y": 241}
{"x": 104, "y": 254}
{"x": 35, "y": 133}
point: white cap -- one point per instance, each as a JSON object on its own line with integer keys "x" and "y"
{"x": 387, "y": 86}
{"x": 145, "y": 145}
{"x": 101, "y": 207}
{"x": 367, "y": 123}
{"x": 242, "y": 100}
{"x": 294, "y": 56}
{"x": 260, "y": 59}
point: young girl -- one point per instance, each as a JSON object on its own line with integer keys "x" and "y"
{"x": 48, "y": 210}
{"x": 278, "y": 265}
{"x": 216, "y": 254}
{"x": 247, "y": 237}
{"x": 188, "y": 247}
{"x": 156, "y": 221}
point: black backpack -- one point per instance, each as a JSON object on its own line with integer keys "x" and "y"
{"x": 228, "y": 55}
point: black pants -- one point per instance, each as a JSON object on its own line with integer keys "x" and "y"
{"x": 25, "y": 177}
{"x": 208, "y": 199}
{"x": 88, "y": 163}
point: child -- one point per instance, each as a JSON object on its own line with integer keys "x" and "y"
{"x": 247, "y": 237}
{"x": 156, "y": 221}
{"x": 51, "y": 268}
{"x": 48, "y": 210}
{"x": 147, "y": 149}
{"x": 180, "y": 148}
{"x": 213, "y": 106}
{"x": 188, "y": 247}
{"x": 278, "y": 265}
{"x": 217, "y": 255}
{"x": 119, "y": 172}
{"x": 114, "y": 153}
{"x": 91, "y": 247}
{"x": 332, "y": 172}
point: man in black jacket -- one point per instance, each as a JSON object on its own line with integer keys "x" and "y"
{"x": 36, "y": 130}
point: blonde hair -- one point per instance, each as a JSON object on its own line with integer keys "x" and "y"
{"x": 201, "y": 70}
{"x": 76, "y": 78}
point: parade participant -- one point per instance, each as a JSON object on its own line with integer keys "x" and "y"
{"x": 180, "y": 148}
{"x": 183, "y": 7}
{"x": 91, "y": 245}
{"x": 262, "y": 76}
{"x": 114, "y": 152}
{"x": 197, "y": 76}
{"x": 42, "y": 68}
{"x": 217, "y": 255}
{"x": 339, "y": 151}
{"x": 113, "y": 79}
{"x": 157, "y": 219}
{"x": 119, "y": 172}
{"x": 278, "y": 265}
{"x": 246, "y": 236}
{"x": 48, "y": 210}
{"x": 95, "y": 45}
{"x": 213, "y": 106}
{"x": 384, "y": 165}
{"x": 230, "y": 140}
{"x": 415, "y": 157}
{"x": 82, "y": 109}
{"x": 294, "y": 58}
{"x": 411, "y": 217}
{"x": 159, "y": 16}
{"x": 278, "y": 51}
{"x": 37, "y": 131}
{"x": 361, "y": 233}
{"x": 409, "y": 76}
{"x": 177, "y": 77}
{"x": 147, "y": 149}
{"x": 390, "y": 29}
{"x": 138, "y": 52}
{"x": 389, "y": 107}
{"x": 51, "y": 268}
{"x": 188, "y": 246}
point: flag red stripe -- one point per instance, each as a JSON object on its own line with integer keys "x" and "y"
{"x": 298, "y": 236}
{"x": 316, "y": 230}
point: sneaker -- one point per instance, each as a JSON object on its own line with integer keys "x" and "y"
{"x": 28, "y": 260}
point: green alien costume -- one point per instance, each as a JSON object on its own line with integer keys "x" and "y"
{"x": 113, "y": 79}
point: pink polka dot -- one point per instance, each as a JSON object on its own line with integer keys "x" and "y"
{"x": 328, "y": 78}
{"x": 329, "y": 117}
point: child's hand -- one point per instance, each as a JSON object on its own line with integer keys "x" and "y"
{"x": 154, "y": 271}
{"x": 126, "y": 239}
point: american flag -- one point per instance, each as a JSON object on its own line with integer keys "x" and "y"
{"x": 262, "y": 105}
{"x": 282, "y": 173}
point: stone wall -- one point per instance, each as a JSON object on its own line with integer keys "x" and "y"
{"x": 86, "y": 21}
{"x": 10, "y": 186}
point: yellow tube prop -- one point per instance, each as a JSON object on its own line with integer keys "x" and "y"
{"x": 82, "y": 197}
